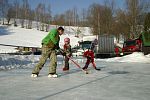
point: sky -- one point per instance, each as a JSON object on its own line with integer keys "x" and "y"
{"x": 60, "y": 6}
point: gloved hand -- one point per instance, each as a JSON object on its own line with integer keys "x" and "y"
{"x": 57, "y": 47}
{"x": 69, "y": 55}
{"x": 88, "y": 57}
{"x": 64, "y": 54}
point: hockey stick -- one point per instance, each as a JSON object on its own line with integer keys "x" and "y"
{"x": 86, "y": 72}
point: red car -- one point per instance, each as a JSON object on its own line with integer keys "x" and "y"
{"x": 130, "y": 46}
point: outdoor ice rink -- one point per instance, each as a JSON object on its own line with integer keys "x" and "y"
{"x": 116, "y": 81}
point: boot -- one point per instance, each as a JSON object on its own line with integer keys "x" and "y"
{"x": 65, "y": 69}
{"x": 97, "y": 69}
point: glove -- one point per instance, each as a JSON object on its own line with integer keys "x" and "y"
{"x": 88, "y": 57}
{"x": 69, "y": 55}
{"x": 57, "y": 47}
{"x": 64, "y": 54}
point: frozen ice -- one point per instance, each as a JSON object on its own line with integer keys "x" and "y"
{"x": 116, "y": 81}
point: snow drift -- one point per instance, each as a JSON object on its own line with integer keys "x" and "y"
{"x": 136, "y": 57}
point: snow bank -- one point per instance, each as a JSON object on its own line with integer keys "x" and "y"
{"x": 148, "y": 55}
{"x": 17, "y": 61}
{"x": 8, "y": 62}
{"x": 134, "y": 57}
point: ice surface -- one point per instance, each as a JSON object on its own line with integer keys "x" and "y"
{"x": 116, "y": 81}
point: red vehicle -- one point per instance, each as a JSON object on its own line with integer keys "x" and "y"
{"x": 131, "y": 46}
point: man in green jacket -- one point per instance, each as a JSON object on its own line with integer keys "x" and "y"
{"x": 49, "y": 46}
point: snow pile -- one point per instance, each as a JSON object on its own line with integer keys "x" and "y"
{"x": 17, "y": 61}
{"x": 8, "y": 62}
{"x": 148, "y": 55}
{"x": 134, "y": 57}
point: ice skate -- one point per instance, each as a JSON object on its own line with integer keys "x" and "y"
{"x": 65, "y": 69}
{"x": 52, "y": 75}
{"x": 34, "y": 75}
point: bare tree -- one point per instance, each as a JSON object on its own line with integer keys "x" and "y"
{"x": 96, "y": 19}
{"x": 120, "y": 24}
{"x": 83, "y": 20}
{"x": 21, "y": 16}
{"x": 147, "y": 23}
{"x": 37, "y": 15}
{"x": 24, "y": 12}
{"x": 49, "y": 13}
{"x": 147, "y": 27}
{"x": 109, "y": 10}
{"x": 42, "y": 16}
{"x": 30, "y": 18}
{"x": 16, "y": 6}
{"x": 10, "y": 14}
{"x": 4, "y": 9}
{"x": 48, "y": 17}
{"x": 69, "y": 17}
{"x": 75, "y": 16}
{"x": 27, "y": 10}
{"x": 135, "y": 8}
{"x": 101, "y": 17}
{"x": 59, "y": 19}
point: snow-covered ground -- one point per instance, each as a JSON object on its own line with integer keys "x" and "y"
{"x": 11, "y": 35}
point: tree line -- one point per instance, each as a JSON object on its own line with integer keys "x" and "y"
{"x": 103, "y": 18}
{"x": 129, "y": 22}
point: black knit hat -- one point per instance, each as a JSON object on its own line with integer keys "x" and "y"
{"x": 61, "y": 28}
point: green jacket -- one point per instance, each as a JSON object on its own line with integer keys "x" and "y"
{"x": 51, "y": 39}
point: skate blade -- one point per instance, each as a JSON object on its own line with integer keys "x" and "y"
{"x": 52, "y": 76}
